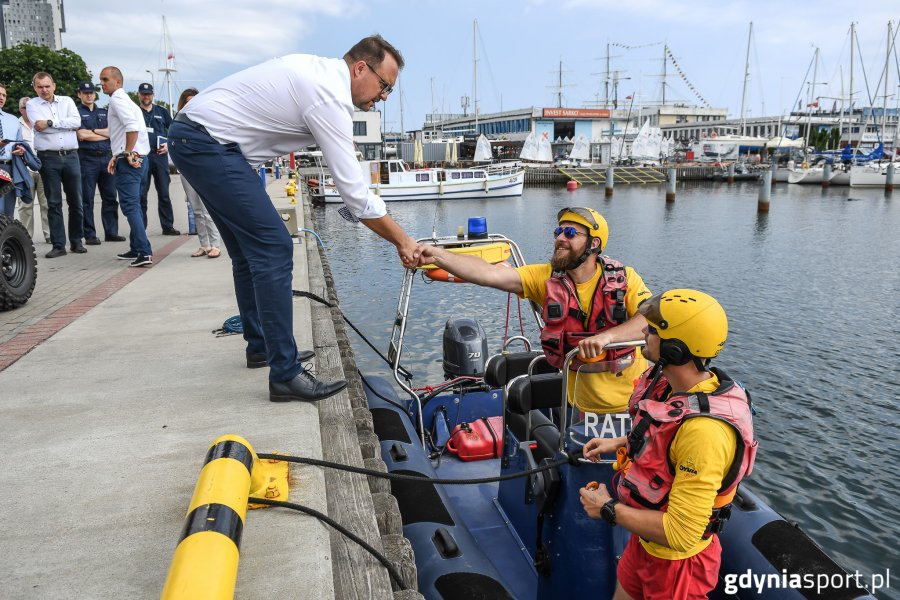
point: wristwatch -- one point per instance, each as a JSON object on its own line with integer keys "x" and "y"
{"x": 49, "y": 123}
{"x": 608, "y": 512}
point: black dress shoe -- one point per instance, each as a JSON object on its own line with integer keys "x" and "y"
{"x": 92, "y": 241}
{"x": 56, "y": 252}
{"x": 115, "y": 238}
{"x": 79, "y": 249}
{"x": 171, "y": 231}
{"x": 304, "y": 387}
{"x": 256, "y": 360}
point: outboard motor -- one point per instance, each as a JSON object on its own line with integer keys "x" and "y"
{"x": 465, "y": 348}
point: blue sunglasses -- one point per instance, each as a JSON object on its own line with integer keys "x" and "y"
{"x": 569, "y": 232}
{"x": 651, "y": 330}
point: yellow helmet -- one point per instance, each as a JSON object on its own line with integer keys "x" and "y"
{"x": 689, "y": 323}
{"x": 588, "y": 217}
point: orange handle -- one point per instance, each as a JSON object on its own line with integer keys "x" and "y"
{"x": 597, "y": 358}
{"x": 593, "y": 485}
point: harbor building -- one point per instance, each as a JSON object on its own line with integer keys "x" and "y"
{"x": 40, "y": 22}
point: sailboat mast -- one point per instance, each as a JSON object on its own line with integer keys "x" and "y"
{"x": 746, "y": 77}
{"x": 664, "y": 60}
{"x": 887, "y": 72}
{"x": 475, "y": 70}
{"x": 170, "y": 65}
{"x": 809, "y": 107}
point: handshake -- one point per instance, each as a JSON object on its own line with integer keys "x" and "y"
{"x": 414, "y": 255}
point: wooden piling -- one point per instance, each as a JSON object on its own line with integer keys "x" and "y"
{"x": 765, "y": 193}
{"x": 670, "y": 185}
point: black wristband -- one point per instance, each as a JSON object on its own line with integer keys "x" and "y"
{"x": 608, "y": 512}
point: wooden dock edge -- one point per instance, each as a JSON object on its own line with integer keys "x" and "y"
{"x": 365, "y": 507}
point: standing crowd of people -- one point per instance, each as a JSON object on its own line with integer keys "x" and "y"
{"x": 58, "y": 149}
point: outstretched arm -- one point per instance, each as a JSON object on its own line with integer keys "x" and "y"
{"x": 473, "y": 269}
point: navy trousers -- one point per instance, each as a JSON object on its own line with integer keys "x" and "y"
{"x": 63, "y": 173}
{"x": 159, "y": 171}
{"x": 260, "y": 247}
{"x": 94, "y": 175}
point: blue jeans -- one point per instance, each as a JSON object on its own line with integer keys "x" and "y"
{"x": 63, "y": 173}
{"x": 94, "y": 175}
{"x": 8, "y": 203}
{"x": 260, "y": 247}
{"x": 128, "y": 184}
{"x": 158, "y": 169}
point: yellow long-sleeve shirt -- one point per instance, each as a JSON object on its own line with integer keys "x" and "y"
{"x": 702, "y": 451}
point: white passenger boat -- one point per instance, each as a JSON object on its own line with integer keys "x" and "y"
{"x": 393, "y": 181}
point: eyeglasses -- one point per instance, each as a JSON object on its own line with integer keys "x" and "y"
{"x": 386, "y": 88}
{"x": 569, "y": 232}
{"x": 651, "y": 330}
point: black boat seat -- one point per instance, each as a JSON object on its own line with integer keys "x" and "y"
{"x": 535, "y": 392}
{"x": 543, "y": 432}
{"x": 500, "y": 369}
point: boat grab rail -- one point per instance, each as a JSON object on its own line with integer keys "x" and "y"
{"x": 586, "y": 368}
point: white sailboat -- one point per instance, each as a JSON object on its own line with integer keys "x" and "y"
{"x": 483, "y": 150}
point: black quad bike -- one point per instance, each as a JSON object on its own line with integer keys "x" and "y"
{"x": 18, "y": 263}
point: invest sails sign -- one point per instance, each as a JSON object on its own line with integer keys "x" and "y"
{"x": 576, "y": 113}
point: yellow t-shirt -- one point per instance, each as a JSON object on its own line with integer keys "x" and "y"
{"x": 596, "y": 392}
{"x": 702, "y": 451}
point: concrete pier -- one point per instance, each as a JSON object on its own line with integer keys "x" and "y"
{"x": 730, "y": 172}
{"x": 889, "y": 179}
{"x": 610, "y": 182}
{"x": 113, "y": 389}
{"x": 826, "y": 175}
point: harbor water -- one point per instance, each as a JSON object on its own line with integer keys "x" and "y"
{"x": 812, "y": 292}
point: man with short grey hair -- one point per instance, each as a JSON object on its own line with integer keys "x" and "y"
{"x": 55, "y": 120}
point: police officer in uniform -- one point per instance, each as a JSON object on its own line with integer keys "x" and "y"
{"x": 158, "y": 121}
{"x": 94, "y": 154}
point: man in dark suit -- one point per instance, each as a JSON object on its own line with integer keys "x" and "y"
{"x": 157, "y": 120}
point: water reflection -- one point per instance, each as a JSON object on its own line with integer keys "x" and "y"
{"x": 811, "y": 290}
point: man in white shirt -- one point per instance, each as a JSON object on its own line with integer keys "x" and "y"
{"x": 26, "y": 209}
{"x": 9, "y": 130}
{"x": 258, "y": 114}
{"x": 128, "y": 140}
{"x": 55, "y": 120}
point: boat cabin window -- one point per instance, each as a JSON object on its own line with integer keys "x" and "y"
{"x": 422, "y": 177}
{"x": 395, "y": 167}
{"x": 468, "y": 174}
{"x": 479, "y": 174}
{"x": 454, "y": 175}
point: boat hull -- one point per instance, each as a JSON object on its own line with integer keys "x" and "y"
{"x": 497, "y": 187}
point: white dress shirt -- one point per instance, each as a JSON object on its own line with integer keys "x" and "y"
{"x": 61, "y": 110}
{"x": 123, "y": 116}
{"x": 286, "y": 104}
{"x": 11, "y": 131}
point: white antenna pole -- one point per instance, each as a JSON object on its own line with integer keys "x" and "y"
{"x": 746, "y": 77}
{"x": 475, "y": 70}
{"x": 170, "y": 65}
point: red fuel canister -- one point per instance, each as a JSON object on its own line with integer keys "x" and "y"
{"x": 477, "y": 440}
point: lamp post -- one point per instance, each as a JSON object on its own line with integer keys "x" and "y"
{"x": 152, "y": 79}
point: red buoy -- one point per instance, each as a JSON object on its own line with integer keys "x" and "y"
{"x": 571, "y": 185}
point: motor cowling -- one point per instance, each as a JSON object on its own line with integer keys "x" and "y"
{"x": 465, "y": 348}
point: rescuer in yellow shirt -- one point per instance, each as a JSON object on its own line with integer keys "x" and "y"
{"x": 691, "y": 443}
{"x": 588, "y": 301}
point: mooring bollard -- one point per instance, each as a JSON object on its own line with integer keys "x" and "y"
{"x": 889, "y": 179}
{"x": 670, "y": 185}
{"x": 609, "y": 181}
{"x": 731, "y": 173}
{"x": 826, "y": 175}
{"x": 765, "y": 193}
{"x": 205, "y": 562}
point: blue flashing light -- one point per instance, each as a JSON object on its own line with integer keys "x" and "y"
{"x": 477, "y": 228}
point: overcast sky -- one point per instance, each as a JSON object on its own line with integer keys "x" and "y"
{"x": 520, "y": 46}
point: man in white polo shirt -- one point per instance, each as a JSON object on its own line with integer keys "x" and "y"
{"x": 258, "y": 114}
{"x": 128, "y": 140}
{"x": 55, "y": 120}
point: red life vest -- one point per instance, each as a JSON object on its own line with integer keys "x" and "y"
{"x": 564, "y": 318}
{"x": 657, "y": 415}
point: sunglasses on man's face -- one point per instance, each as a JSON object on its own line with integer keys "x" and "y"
{"x": 651, "y": 330}
{"x": 569, "y": 232}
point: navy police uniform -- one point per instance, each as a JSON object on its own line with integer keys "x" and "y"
{"x": 94, "y": 158}
{"x": 158, "y": 121}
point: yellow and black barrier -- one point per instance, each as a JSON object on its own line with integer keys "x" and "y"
{"x": 205, "y": 562}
